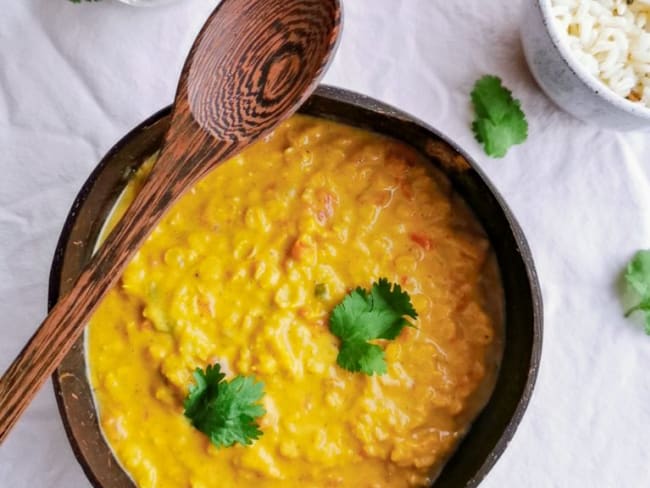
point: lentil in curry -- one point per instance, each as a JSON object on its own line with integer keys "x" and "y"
{"x": 245, "y": 269}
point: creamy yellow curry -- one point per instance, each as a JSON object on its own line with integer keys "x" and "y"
{"x": 245, "y": 270}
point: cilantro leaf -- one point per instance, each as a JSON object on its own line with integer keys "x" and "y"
{"x": 358, "y": 355}
{"x": 637, "y": 273}
{"x": 207, "y": 386}
{"x": 500, "y": 123}
{"x": 363, "y": 316}
{"x": 637, "y": 276}
{"x": 226, "y": 411}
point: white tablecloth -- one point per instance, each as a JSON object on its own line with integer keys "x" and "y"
{"x": 75, "y": 78}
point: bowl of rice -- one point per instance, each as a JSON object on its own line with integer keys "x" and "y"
{"x": 592, "y": 58}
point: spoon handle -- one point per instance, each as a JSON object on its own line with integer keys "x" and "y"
{"x": 65, "y": 322}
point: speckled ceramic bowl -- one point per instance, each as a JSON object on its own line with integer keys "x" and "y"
{"x": 565, "y": 80}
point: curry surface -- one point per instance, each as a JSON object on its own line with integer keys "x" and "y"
{"x": 230, "y": 275}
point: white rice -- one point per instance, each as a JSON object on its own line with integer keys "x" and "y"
{"x": 611, "y": 39}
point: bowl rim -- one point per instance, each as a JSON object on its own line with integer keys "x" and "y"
{"x": 597, "y": 86}
{"x": 369, "y": 104}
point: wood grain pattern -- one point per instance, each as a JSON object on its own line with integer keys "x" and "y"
{"x": 252, "y": 65}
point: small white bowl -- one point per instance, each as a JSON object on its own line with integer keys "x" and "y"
{"x": 567, "y": 82}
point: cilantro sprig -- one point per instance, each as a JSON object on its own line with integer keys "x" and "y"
{"x": 363, "y": 316}
{"x": 225, "y": 411}
{"x": 637, "y": 276}
{"x": 500, "y": 123}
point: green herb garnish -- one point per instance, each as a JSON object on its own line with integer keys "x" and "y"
{"x": 363, "y": 316}
{"x": 225, "y": 411}
{"x": 320, "y": 290}
{"x": 637, "y": 276}
{"x": 500, "y": 123}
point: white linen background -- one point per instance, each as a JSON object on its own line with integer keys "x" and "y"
{"x": 75, "y": 78}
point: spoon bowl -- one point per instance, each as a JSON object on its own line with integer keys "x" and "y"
{"x": 276, "y": 65}
{"x": 251, "y": 66}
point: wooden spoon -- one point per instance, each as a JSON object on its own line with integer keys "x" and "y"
{"x": 252, "y": 65}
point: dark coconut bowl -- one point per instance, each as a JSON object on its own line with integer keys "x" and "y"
{"x": 492, "y": 430}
